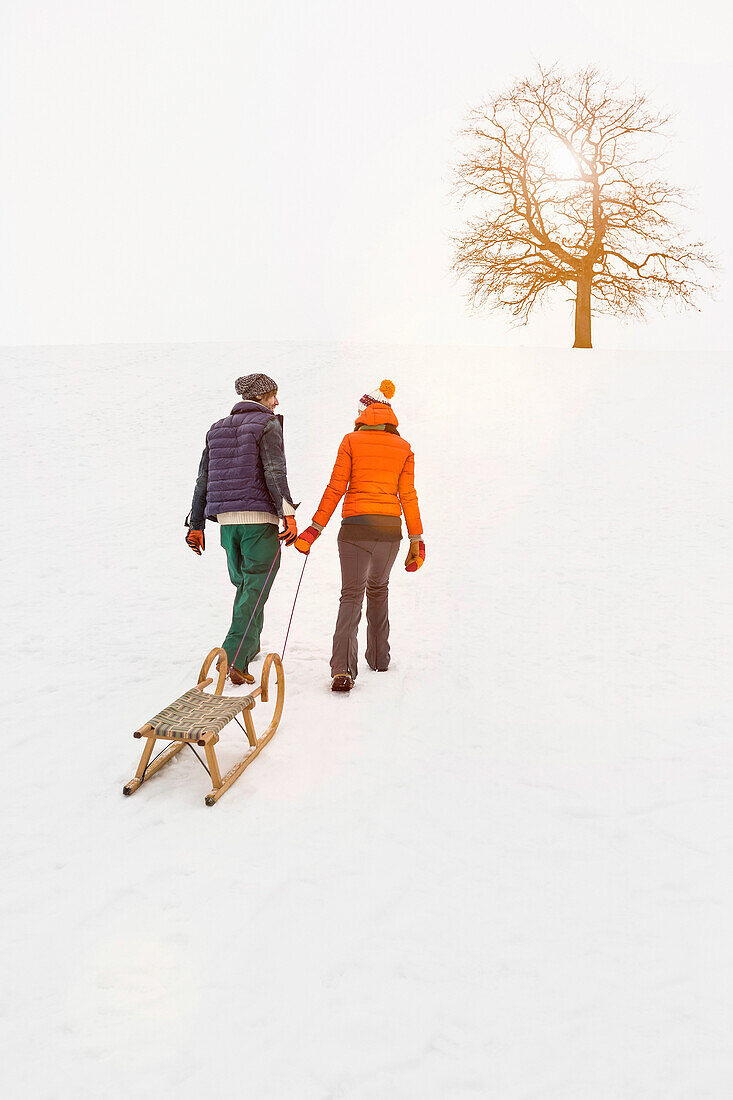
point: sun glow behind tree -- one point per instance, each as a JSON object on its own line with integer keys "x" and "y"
{"x": 563, "y": 171}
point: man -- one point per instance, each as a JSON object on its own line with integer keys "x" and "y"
{"x": 242, "y": 484}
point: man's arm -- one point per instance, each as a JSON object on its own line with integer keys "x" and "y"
{"x": 272, "y": 453}
{"x": 196, "y": 518}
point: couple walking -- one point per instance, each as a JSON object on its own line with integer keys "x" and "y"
{"x": 242, "y": 484}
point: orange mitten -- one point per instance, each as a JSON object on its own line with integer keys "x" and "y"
{"x": 415, "y": 556}
{"x": 306, "y": 539}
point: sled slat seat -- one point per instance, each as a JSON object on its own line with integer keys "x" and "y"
{"x": 195, "y": 713}
{"x": 196, "y": 718}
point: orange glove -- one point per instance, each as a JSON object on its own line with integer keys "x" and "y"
{"x": 415, "y": 556}
{"x": 196, "y": 541}
{"x": 289, "y": 533}
{"x": 305, "y": 540}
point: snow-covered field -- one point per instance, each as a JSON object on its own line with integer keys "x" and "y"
{"x": 501, "y": 870}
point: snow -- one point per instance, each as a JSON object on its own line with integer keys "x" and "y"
{"x": 501, "y": 869}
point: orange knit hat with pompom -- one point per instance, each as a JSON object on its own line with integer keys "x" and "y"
{"x": 382, "y": 395}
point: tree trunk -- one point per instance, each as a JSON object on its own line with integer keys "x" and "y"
{"x": 582, "y": 311}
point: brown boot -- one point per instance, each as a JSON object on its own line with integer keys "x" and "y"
{"x": 342, "y": 682}
{"x": 237, "y": 677}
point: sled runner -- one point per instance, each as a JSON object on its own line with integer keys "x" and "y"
{"x": 197, "y": 719}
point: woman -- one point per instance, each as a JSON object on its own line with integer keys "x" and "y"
{"x": 375, "y": 469}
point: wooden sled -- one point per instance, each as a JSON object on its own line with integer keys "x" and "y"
{"x": 197, "y": 719}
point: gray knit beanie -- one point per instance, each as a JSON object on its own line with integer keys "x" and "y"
{"x": 251, "y": 386}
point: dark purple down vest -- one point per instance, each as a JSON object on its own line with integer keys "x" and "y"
{"x": 236, "y": 478}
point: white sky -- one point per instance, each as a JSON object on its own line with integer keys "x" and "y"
{"x": 198, "y": 171}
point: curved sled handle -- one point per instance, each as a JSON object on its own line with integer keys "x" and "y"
{"x": 270, "y": 660}
{"x": 222, "y": 666}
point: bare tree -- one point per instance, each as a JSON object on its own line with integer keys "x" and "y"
{"x": 564, "y": 171}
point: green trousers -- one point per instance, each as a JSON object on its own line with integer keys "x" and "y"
{"x": 251, "y": 550}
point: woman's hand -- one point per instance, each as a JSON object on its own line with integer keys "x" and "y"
{"x": 306, "y": 539}
{"x": 415, "y": 555}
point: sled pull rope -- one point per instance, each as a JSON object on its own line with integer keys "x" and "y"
{"x": 264, "y": 586}
{"x": 297, "y": 590}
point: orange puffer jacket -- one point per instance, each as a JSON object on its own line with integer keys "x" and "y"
{"x": 375, "y": 469}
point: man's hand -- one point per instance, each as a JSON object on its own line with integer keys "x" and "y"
{"x": 305, "y": 540}
{"x": 196, "y": 541}
{"x": 289, "y": 533}
{"x": 415, "y": 555}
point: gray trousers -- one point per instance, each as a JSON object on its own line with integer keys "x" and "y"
{"x": 365, "y": 565}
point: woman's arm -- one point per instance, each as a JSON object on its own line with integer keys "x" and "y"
{"x": 408, "y": 498}
{"x": 337, "y": 486}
